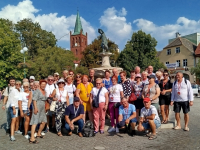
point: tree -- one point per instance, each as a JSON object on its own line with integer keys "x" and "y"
{"x": 50, "y": 60}
{"x": 34, "y": 37}
{"x": 139, "y": 51}
{"x": 91, "y": 58}
{"x": 196, "y": 70}
{"x": 10, "y": 55}
{"x": 82, "y": 70}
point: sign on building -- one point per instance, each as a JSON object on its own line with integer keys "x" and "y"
{"x": 172, "y": 65}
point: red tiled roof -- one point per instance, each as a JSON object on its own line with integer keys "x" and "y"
{"x": 197, "y": 51}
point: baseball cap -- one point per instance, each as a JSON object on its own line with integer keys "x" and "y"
{"x": 60, "y": 81}
{"x": 151, "y": 76}
{"x": 146, "y": 99}
{"x": 138, "y": 75}
{"x": 76, "y": 99}
{"x": 32, "y": 77}
{"x": 56, "y": 73}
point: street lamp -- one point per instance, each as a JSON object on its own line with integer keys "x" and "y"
{"x": 23, "y": 52}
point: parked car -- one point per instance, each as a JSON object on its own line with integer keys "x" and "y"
{"x": 195, "y": 88}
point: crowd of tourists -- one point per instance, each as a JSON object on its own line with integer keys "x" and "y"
{"x": 34, "y": 107}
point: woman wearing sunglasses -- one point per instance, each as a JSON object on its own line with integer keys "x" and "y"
{"x": 25, "y": 100}
{"x": 78, "y": 80}
{"x": 165, "y": 96}
{"x": 60, "y": 95}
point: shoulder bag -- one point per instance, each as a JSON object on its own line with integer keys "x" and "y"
{"x": 95, "y": 102}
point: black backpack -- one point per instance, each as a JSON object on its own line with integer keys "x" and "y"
{"x": 88, "y": 129}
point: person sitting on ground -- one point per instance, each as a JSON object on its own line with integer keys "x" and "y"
{"x": 74, "y": 114}
{"x": 149, "y": 119}
{"x": 127, "y": 115}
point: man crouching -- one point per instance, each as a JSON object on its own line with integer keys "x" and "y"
{"x": 149, "y": 119}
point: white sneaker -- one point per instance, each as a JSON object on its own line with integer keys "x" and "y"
{"x": 42, "y": 133}
{"x": 18, "y": 132}
{"x": 27, "y": 137}
{"x": 117, "y": 130}
{"x": 111, "y": 130}
{"x": 12, "y": 138}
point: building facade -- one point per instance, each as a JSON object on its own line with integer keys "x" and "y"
{"x": 78, "y": 39}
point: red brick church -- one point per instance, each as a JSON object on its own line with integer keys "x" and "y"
{"x": 78, "y": 39}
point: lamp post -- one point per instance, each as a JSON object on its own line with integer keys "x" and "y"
{"x": 23, "y": 52}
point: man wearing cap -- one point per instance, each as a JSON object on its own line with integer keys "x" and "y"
{"x": 149, "y": 119}
{"x": 74, "y": 116}
{"x": 127, "y": 115}
{"x": 31, "y": 79}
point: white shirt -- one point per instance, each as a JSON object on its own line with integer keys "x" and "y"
{"x": 186, "y": 92}
{"x": 61, "y": 95}
{"x": 146, "y": 81}
{"x": 7, "y": 93}
{"x": 49, "y": 89}
{"x": 24, "y": 97}
{"x": 114, "y": 93}
{"x": 70, "y": 89}
{"x": 148, "y": 112}
{"x": 102, "y": 98}
{"x": 14, "y": 97}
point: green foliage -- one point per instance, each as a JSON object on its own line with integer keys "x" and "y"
{"x": 10, "y": 55}
{"x": 82, "y": 70}
{"x": 91, "y": 58}
{"x": 49, "y": 61}
{"x": 34, "y": 37}
{"x": 196, "y": 70}
{"x": 139, "y": 51}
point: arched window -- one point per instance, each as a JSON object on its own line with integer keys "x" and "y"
{"x": 76, "y": 52}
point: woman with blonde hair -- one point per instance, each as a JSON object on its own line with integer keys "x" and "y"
{"x": 70, "y": 87}
{"x": 159, "y": 76}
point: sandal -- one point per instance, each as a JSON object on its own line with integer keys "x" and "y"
{"x": 152, "y": 137}
{"x": 166, "y": 122}
{"x": 163, "y": 122}
{"x": 148, "y": 134}
{"x": 40, "y": 136}
{"x": 186, "y": 129}
{"x": 60, "y": 134}
{"x": 33, "y": 142}
{"x": 177, "y": 128}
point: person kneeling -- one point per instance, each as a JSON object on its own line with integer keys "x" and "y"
{"x": 74, "y": 116}
{"x": 149, "y": 119}
{"x": 127, "y": 115}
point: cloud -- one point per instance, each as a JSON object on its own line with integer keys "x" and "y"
{"x": 162, "y": 33}
{"x": 60, "y": 26}
{"x": 117, "y": 28}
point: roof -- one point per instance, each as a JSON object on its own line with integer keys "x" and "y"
{"x": 197, "y": 51}
{"x": 158, "y": 53}
{"x": 182, "y": 41}
{"x": 78, "y": 25}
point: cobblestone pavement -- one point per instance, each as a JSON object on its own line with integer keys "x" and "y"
{"x": 167, "y": 138}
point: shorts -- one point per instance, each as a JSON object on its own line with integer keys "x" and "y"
{"x": 26, "y": 112}
{"x": 11, "y": 112}
{"x": 184, "y": 105}
{"x": 87, "y": 106}
{"x": 139, "y": 103}
{"x": 147, "y": 126}
{"x": 164, "y": 99}
{"x": 122, "y": 123}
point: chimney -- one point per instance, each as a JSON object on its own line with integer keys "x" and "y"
{"x": 178, "y": 34}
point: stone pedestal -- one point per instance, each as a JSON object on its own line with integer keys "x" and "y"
{"x": 105, "y": 59}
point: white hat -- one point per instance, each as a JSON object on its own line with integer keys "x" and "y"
{"x": 56, "y": 73}
{"x": 32, "y": 77}
{"x": 60, "y": 81}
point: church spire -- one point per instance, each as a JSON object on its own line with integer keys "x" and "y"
{"x": 78, "y": 25}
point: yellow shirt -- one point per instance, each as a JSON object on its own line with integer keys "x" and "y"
{"x": 85, "y": 92}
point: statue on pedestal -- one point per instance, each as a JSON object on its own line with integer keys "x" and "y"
{"x": 104, "y": 44}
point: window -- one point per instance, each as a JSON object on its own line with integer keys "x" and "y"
{"x": 169, "y": 52}
{"x": 76, "y": 52}
{"x": 184, "y": 62}
{"x": 167, "y": 63}
{"x": 177, "y": 49}
{"x": 178, "y": 63}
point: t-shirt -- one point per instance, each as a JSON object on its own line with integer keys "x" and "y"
{"x": 61, "y": 95}
{"x": 49, "y": 89}
{"x": 24, "y": 97}
{"x": 145, "y": 81}
{"x": 114, "y": 93}
{"x": 148, "y": 112}
{"x": 14, "y": 97}
{"x": 72, "y": 112}
{"x": 151, "y": 92}
{"x": 102, "y": 98}
{"x": 6, "y": 93}
{"x": 126, "y": 113}
{"x": 70, "y": 89}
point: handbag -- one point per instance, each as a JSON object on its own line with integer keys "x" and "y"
{"x": 53, "y": 106}
{"x": 95, "y": 102}
{"x": 132, "y": 97}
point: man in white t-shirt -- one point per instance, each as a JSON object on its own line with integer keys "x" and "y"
{"x": 49, "y": 90}
{"x": 6, "y": 102}
{"x": 149, "y": 119}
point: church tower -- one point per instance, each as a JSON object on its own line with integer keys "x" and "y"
{"x": 78, "y": 40}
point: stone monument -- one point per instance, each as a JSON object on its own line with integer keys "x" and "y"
{"x": 99, "y": 72}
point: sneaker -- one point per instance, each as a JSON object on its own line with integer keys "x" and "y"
{"x": 12, "y": 138}
{"x": 18, "y": 132}
{"x": 27, "y": 137}
{"x": 42, "y": 133}
{"x": 95, "y": 132}
{"x": 117, "y": 130}
{"x": 111, "y": 130}
{"x": 101, "y": 132}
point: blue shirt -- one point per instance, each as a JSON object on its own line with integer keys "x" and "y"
{"x": 126, "y": 114}
{"x": 107, "y": 84}
{"x": 119, "y": 78}
{"x": 72, "y": 112}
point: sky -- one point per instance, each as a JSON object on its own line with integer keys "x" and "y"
{"x": 117, "y": 18}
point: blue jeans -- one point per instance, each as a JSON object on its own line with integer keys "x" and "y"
{"x": 147, "y": 126}
{"x": 80, "y": 124}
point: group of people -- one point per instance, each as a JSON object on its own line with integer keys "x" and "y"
{"x": 128, "y": 102}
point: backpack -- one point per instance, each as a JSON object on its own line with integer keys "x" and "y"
{"x": 184, "y": 79}
{"x": 88, "y": 129}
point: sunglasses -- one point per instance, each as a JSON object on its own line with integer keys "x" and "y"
{"x": 25, "y": 87}
{"x": 71, "y": 74}
{"x": 98, "y": 83}
{"x": 61, "y": 83}
{"x": 165, "y": 74}
{"x": 50, "y": 80}
{"x": 17, "y": 84}
{"x": 78, "y": 77}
